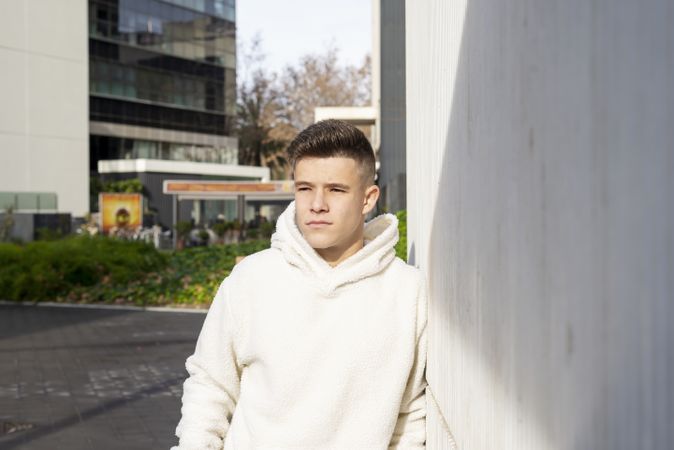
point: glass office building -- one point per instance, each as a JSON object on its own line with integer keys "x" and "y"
{"x": 165, "y": 64}
{"x": 162, "y": 80}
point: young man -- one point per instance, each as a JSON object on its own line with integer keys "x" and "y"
{"x": 320, "y": 341}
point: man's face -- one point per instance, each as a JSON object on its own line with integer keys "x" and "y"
{"x": 331, "y": 201}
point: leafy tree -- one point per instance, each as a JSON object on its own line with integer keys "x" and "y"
{"x": 257, "y": 108}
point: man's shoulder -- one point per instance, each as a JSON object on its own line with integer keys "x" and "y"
{"x": 405, "y": 273}
{"x": 258, "y": 262}
{"x": 255, "y": 270}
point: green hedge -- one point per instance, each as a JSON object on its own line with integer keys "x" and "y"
{"x": 45, "y": 270}
{"x": 99, "y": 269}
{"x": 192, "y": 276}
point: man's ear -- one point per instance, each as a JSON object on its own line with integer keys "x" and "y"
{"x": 371, "y": 197}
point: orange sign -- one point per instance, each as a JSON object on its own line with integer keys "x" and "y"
{"x": 220, "y": 187}
{"x": 120, "y": 211}
{"x": 195, "y": 187}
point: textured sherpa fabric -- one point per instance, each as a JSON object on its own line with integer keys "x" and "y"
{"x": 296, "y": 354}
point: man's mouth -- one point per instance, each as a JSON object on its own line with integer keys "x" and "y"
{"x": 318, "y": 223}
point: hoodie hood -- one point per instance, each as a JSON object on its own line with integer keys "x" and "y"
{"x": 380, "y": 236}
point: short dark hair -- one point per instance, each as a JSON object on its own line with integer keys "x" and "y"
{"x": 334, "y": 138}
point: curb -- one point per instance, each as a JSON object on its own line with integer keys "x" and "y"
{"x": 167, "y": 309}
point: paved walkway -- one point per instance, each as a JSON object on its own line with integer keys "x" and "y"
{"x": 92, "y": 378}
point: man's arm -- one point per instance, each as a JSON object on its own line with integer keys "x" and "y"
{"x": 211, "y": 391}
{"x": 410, "y": 429}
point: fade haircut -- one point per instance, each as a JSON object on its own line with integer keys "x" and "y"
{"x": 334, "y": 138}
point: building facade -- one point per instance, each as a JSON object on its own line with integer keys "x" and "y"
{"x": 391, "y": 73}
{"x": 162, "y": 85}
{"x": 86, "y": 83}
{"x": 540, "y": 208}
{"x": 44, "y": 156}
{"x": 384, "y": 120}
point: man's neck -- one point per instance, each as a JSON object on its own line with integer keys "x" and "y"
{"x": 334, "y": 255}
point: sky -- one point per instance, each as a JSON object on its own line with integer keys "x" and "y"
{"x": 292, "y": 28}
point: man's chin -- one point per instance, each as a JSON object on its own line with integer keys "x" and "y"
{"x": 319, "y": 242}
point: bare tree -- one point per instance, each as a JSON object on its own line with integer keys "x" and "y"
{"x": 319, "y": 80}
{"x": 271, "y": 110}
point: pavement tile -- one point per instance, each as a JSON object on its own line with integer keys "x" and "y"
{"x": 93, "y": 378}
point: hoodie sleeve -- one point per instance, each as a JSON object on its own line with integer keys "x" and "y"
{"x": 211, "y": 391}
{"x": 410, "y": 428}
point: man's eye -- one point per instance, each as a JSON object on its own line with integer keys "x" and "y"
{"x": 337, "y": 190}
{"x": 303, "y": 189}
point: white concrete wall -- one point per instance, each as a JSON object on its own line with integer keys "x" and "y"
{"x": 44, "y": 141}
{"x": 541, "y": 205}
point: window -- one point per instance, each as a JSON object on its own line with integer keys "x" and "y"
{"x": 167, "y": 27}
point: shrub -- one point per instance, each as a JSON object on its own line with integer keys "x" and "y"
{"x": 192, "y": 276}
{"x": 220, "y": 228}
{"x": 6, "y": 224}
{"x": 252, "y": 233}
{"x": 47, "y": 234}
{"x": 183, "y": 229}
{"x": 267, "y": 229}
{"x": 401, "y": 246}
{"x": 44, "y": 270}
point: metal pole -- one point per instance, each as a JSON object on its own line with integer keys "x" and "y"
{"x": 241, "y": 212}
{"x": 240, "y": 208}
{"x": 175, "y": 221}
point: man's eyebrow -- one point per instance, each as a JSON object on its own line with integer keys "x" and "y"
{"x": 329, "y": 185}
{"x": 338, "y": 185}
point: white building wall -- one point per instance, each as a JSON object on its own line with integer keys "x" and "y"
{"x": 44, "y": 141}
{"x": 541, "y": 205}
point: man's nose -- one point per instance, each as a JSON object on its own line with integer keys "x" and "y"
{"x": 318, "y": 202}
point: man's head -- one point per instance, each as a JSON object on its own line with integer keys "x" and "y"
{"x": 334, "y": 138}
{"x": 333, "y": 168}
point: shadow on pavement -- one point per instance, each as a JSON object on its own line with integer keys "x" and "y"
{"x": 21, "y": 320}
{"x": 74, "y": 419}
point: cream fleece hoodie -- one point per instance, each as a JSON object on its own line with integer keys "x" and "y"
{"x": 296, "y": 354}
